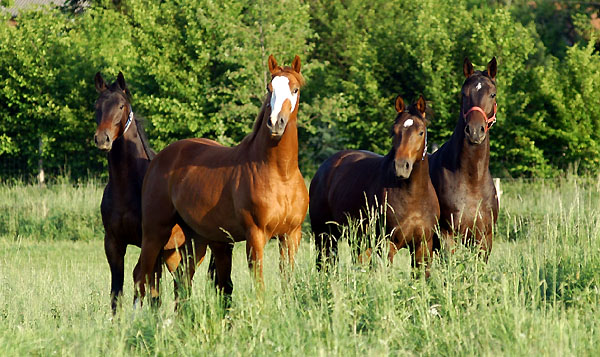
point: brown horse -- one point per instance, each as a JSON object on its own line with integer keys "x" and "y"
{"x": 120, "y": 134}
{"x": 221, "y": 195}
{"x": 460, "y": 171}
{"x": 400, "y": 179}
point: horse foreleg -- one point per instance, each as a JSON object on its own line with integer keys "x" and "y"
{"x": 421, "y": 255}
{"x": 255, "y": 244}
{"x": 115, "y": 254}
{"x": 288, "y": 246}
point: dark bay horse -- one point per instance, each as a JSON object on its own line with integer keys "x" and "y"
{"x": 221, "y": 195}
{"x": 120, "y": 134}
{"x": 348, "y": 180}
{"x": 460, "y": 171}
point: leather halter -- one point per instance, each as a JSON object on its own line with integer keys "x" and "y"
{"x": 489, "y": 121}
{"x": 129, "y": 120}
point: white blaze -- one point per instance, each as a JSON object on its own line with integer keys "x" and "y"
{"x": 281, "y": 92}
{"x": 478, "y": 87}
{"x": 408, "y": 123}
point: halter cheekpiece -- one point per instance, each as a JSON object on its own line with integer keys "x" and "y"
{"x": 129, "y": 119}
{"x": 489, "y": 121}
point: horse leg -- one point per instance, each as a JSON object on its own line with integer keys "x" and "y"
{"x": 255, "y": 244}
{"x": 223, "y": 253}
{"x": 327, "y": 248}
{"x": 421, "y": 254}
{"x": 288, "y": 246}
{"x": 154, "y": 239}
{"x": 115, "y": 254}
{"x": 485, "y": 246}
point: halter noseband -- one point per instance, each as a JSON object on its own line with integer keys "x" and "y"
{"x": 489, "y": 121}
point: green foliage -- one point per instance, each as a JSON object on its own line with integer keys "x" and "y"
{"x": 197, "y": 68}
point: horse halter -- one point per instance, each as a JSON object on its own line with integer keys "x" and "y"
{"x": 425, "y": 147}
{"x": 489, "y": 121}
{"x": 129, "y": 119}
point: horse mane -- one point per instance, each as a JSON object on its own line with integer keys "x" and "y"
{"x": 261, "y": 114}
{"x": 139, "y": 124}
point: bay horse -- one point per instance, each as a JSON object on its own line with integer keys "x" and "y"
{"x": 460, "y": 171}
{"x": 350, "y": 180}
{"x": 119, "y": 133}
{"x": 220, "y": 195}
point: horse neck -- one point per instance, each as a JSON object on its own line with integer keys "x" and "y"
{"x": 282, "y": 154}
{"x": 472, "y": 161}
{"x": 127, "y": 159}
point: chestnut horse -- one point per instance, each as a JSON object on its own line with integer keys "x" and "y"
{"x": 460, "y": 171}
{"x": 349, "y": 180}
{"x": 221, "y": 195}
{"x": 120, "y": 134}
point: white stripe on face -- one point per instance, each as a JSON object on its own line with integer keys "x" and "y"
{"x": 408, "y": 123}
{"x": 478, "y": 87}
{"x": 281, "y": 92}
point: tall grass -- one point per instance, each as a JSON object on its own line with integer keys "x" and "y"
{"x": 60, "y": 211}
{"x": 538, "y": 295}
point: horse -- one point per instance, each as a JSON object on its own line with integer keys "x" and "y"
{"x": 460, "y": 171}
{"x": 119, "y": 133}
{"x": 352, "y": 181}
{"x": 220, "y": 195}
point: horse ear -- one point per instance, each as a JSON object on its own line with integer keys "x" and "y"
{"x": 296, "y": 64}
{"x": 492, "y": 68}
{"x": 100, "y": 83}
{"x": 467, "y": 67}
{"x": 421, "y": 105}
{"x": 399, "y": 104}
{"x": 273, "y": 67}
{"x": 121, "y": 81}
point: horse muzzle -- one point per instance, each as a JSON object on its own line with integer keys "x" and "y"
{"x": 475, "y": 132}
{"x": 278, "y": 128}
{"x": 402, "y": 168}
{"x": 103, "y": 141}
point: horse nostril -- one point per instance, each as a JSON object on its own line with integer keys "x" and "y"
{"x": 482, "y": 129}
{"x": 467, "y": 130}
{"x": 96, "y": 139}
{"x": 406, "y": 166}
{"x": 281, "y": 121}
{"x": 107, "y": 138}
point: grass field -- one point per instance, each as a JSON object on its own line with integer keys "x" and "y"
{"x": 538, "y": 295}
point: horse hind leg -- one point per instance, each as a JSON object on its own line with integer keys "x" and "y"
{"x": 115, "y": 254}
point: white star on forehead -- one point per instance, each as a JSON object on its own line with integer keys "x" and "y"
{"x": 478, "y": 87}
{"x": 408, "y": 123}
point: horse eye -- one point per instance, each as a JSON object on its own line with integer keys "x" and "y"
{"x": 421, "y": 133}
{"x": 122, "y": 106}
{"x": 295, "y": 90}
{"x": 493, "y": 95}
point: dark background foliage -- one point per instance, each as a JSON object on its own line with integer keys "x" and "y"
{"x": 197, "y": 68}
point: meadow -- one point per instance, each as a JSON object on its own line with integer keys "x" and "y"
{"x": 538, "y": 295}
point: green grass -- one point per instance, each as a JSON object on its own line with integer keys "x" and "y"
{"x": 538, "y": 295}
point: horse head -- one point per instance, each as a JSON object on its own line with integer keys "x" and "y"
{"x": 284, "y": 91}
{"x": 113, "y": 111}
{"x": 409, "y": 136}
{"x": 478, "y": 109}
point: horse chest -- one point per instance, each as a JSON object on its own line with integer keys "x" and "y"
{"x": 281, "y": 207}
{"x": 465, "y": 206}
